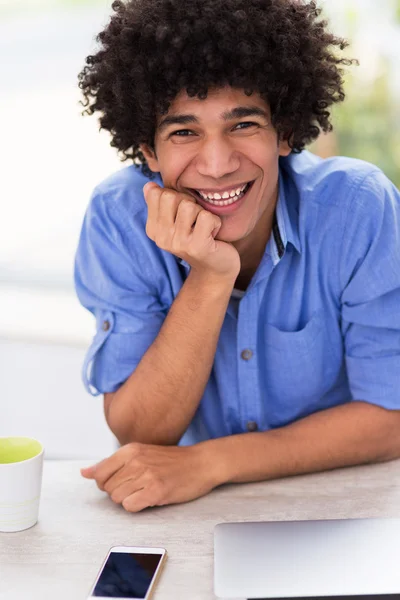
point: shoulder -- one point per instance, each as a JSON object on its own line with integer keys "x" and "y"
{"x": 333, "y": 181}
{"x": 115, "y": 221}
{"x": 339, "y": 188}
{"x": 122, "y": 192}
{"x": 342, "y": 206}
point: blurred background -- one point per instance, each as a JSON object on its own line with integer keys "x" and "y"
{"x": 51, "y": 158}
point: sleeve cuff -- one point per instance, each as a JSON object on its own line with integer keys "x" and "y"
{"x": 375, "y": 380}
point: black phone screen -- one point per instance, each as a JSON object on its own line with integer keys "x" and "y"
{"x": 127, "y": 575}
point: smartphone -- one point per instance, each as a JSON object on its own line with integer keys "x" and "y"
{"x": 128, "y": 572}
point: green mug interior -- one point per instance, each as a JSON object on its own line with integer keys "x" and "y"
{"x": 17, "y": 449}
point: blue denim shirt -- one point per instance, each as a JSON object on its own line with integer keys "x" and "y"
{"x": 318, "y": 326}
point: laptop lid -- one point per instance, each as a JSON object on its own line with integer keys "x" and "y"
{"x": 302, "y": 559}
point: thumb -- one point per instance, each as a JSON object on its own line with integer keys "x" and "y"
{"x": 88, "y": 472}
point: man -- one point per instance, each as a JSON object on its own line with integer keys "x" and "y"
{"x": 246, "y": 292}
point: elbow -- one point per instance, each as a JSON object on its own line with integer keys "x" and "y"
{"x": 142, "y": 437}
{"x": 125, "y": 431}
{"x": 392, "y": 437}
{"x": 388, "y": 442}
{"x": 116, "y": 424}
{"x": 150, "y": 435}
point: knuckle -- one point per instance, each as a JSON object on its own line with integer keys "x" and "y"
{"x": 204, "y": 216}
{"x": 183, "y": 210}
{"x": 152, "y": 193}
{"x": 189, "y": 205}
{"x": 168, "y": 196}
{"x": 208, "y": 218}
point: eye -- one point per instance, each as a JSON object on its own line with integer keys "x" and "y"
{"x": 182, "y": 133}
{"x": 246, "y": 125}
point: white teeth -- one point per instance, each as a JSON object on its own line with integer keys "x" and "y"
{"x": 224, "y": 195}
{"x": 228, "y": 197}
{"x": 224, "y": 202}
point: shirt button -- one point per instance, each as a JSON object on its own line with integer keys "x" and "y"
{"x": 252, "y": 426}
{"x": 246, "y": 354}
{"x": 106, "y": 325}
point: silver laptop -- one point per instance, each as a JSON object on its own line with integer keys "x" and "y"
{"x": 308, "y": 559}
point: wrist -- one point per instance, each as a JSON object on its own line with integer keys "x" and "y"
{"x": 216, "y": 283}
{"x": 215, "y": 461}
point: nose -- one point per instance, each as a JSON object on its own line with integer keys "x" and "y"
{"x": 216, "y": 159}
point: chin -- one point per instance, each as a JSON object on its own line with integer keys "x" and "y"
{"x": 229, "y": 238}
{"x": 227, "y": 234}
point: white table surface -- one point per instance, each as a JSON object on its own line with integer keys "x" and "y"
{"x": 58, "y": 558}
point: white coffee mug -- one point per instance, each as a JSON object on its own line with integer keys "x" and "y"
{"x": 21, "y": 466}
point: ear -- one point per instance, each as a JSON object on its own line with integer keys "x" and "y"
{"x": 284, "y": 148}
{"x": 151, "y": 158}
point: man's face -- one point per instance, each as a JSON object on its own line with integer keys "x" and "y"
{"x": 224, "y": 152}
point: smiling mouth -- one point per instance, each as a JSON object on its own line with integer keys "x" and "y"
{"x": 224, "y": 201}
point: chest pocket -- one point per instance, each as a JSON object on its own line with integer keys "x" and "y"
{"x": 300, "y": 367}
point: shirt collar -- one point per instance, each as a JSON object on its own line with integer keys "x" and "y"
{"x": 286, "y": 222}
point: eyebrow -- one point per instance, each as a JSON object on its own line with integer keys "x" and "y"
{"x": 239, "y": 112}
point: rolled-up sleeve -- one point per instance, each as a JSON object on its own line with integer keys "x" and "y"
{"x": 370, "y": 268}
{"x": 116, "y": 280}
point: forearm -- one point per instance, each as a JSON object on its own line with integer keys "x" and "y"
{"x": 158, "y": 401}
{"x": 351, "y": 434}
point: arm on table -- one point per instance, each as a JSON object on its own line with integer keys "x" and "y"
{"x": 350, "y": 434}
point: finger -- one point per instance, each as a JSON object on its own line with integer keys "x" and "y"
{"x": 148, "y": 187}
{"x": 207, "y": 225}
{"x": 88, "y": 472}
{"x": 107, "y": 467}
{"x": 167, "y": 208}
{"x": 129, "y": 472}
{"x": 127, "y": 488}
{"x": 152, "y": 193}
{"x": 186, "y": 218}
{"x": 139, "y": 500}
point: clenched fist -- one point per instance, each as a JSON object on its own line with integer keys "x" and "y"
{"x": 177, "y": 224}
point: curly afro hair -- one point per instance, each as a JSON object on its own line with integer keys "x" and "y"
{"x": 153, "y": 49}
